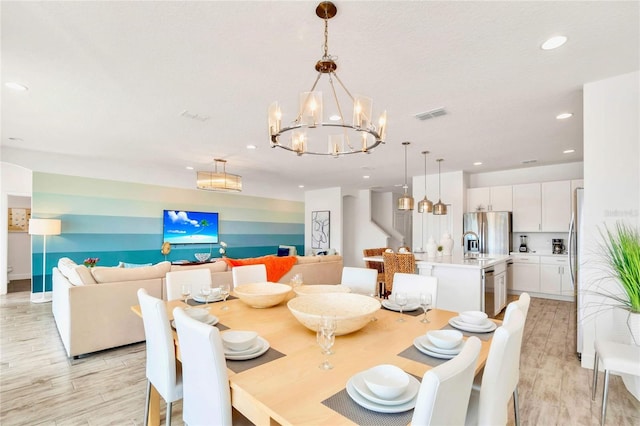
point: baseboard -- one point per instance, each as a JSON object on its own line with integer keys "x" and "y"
{"x": 13, "y": 277}
{"x": 37, "y": 297}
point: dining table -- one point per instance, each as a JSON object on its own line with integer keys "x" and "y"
{"x": 285, "y": 386}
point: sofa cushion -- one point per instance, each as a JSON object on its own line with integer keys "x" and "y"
{"x": 133, "y": 265}
{"x": 104, "y": 274}
{"x": 76, "y": 274}
{"x": 217, "y": 266}
{"x": 330, "y": 258}
{"x": 308, "y": 259}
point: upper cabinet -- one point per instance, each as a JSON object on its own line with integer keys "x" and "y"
{"x": 527, "y": 212}
{"x": 495, "y": 198}
{"x": 556, "y": 206}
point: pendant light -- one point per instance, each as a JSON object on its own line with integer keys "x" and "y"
{"x": 405, "y": 203}
{"x": 439, "y": 208}
{"x": 425, "y": 205}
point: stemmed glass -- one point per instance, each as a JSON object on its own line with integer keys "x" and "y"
{"x": 425, "y": 304}
{"x": 401, "y": 300}
{"x": 325, "y": 338}
{"x": 224, "y": 292}
{"x": 297, "y": 280}
{"x": 205, "y": 290}
{"x": 186, "y": 291}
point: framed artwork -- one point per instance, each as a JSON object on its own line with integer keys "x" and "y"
{"x": 320, "y": 229}
{"x": 19, "y": 219}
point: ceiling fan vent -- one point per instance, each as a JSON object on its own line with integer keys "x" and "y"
{"x": 438, "y": 112}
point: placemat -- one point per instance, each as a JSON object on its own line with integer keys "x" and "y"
{"x": 192, "y": 302}
{"x": 414, "y": 313}
{"x": 481, "y": 336}
{"x": 414, "y": 354}
{"x": 240, "y": 366}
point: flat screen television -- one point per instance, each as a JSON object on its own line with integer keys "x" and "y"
{"x": 185, "y": 227}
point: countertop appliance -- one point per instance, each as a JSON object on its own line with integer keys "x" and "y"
{"x": 557, "y": 246}
{"x": 493, "y": 230}
{"x": 523, "y": 244}
{"x": 574, "y": 256}
{"x": 489, "y": 293}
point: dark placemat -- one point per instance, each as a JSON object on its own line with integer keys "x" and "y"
{"x": 414, "y": 313}
{"x": 240, "y": 366}
{"x": 481, "y": 336}
{"x": 192, "y": 302}
{"x": 414, "y": 354}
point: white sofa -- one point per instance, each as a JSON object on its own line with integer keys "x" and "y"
{"x": 92, "y": 306}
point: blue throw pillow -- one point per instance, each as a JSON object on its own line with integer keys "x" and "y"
{"x": 283, "y": 252}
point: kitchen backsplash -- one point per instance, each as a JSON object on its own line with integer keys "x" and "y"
{"x": 539, "y": 242}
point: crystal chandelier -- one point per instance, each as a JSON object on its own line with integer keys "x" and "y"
{"x": 342, "y": 137}
{"x": 219, "y": 181}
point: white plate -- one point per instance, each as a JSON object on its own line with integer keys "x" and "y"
{"x": 393, "y": 307}
{"x": 209, "y": 319}
{"x": 380, "y": 408}
{"x": 262, "y": 350}
{"x": 427, "y": 344}
{"x": 406, "y": 396}
{"x": 199, "y": 298}
{"x": 426, "y": 351}
{"x": 457, "y": 323}
{"x": 255, "y": 348}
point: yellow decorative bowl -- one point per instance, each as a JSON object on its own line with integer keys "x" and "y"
{"x": 262, "y": 295}
{"x": 351, "y": 311}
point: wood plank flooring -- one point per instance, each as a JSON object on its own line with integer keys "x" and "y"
{"x": 39, "y": 385}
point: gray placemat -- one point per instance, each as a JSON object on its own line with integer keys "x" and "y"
{"x": 481, "y": 336}
{"x": 414, "y": 354}
{"x": 192, "y": 302}
{"x": 414, "y": 313}
{"x": 240, "y": 366}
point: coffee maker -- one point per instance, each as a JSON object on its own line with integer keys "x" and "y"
{"x": 557, "y": 245}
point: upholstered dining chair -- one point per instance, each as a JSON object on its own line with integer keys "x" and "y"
{"x": 414, "y": 284}
{"x": 378, "y": 266}
{"x": 161, "y": 356}
{"x": 248, "y": 274}
{"x": 207, "y": 398}
{"x": 196, "y": 278}
{"x": 489, "y": 406}
{"x": 360, "y": 280}
{"x": 397, "y": 262}
{"x": 443, "y": 397}
{"x": 522, "y": 304}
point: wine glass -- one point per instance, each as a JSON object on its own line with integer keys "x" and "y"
{"x": 425, "y": 304}
{"x": 224, "y": 292}
{"x": 205, "y": 290}
{"x": 325, "y": 339}
{"x": 297, "y": 280}
{"x": 186, "y": 291}
{"x": 401, "y": 300}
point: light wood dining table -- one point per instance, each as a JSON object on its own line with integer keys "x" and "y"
{"x": 290, "y": 390}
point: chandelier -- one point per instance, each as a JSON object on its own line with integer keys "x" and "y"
{"x": 219, "y": 181}
{"x": 405, "y": 202}
{"x": 342, "y": 137}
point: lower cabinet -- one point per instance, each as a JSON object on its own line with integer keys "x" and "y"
{"x": 542, "y": 275}
{"x": 555, "y": 277}
{"x": 526, "y": 274}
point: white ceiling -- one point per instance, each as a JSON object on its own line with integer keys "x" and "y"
{"x": 110, "y": 80}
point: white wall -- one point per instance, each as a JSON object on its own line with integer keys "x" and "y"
{"x": 359, "y": 231}
{"x": 19, "y": 244}
{"x": 611, "y": 180}
{"x": 14, "y": 180}
{"x": 565, "y": 171}
{"x": 324, "y": 199}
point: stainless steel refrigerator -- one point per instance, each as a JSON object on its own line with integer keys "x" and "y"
{"x": 493, "y": 230}
{"x": 575, "y": 254}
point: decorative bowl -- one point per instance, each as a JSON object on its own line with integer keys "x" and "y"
{"x": 473, "y": 317}
{"x": 352, "y": 311}
{"x": 386, "y": 381}
{"x": 202, "y": 257}
{"x": 197, "y": 313}
{"x": 262, "y": 295}
{"x": 237, "y": 340}
{"x": 445, "y": 339}
{"x": 321, "y": 288}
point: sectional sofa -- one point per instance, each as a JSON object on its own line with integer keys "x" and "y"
{"x": 92, "y": 306}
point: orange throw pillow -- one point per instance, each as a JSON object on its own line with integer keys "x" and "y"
{"x": 277, "y": 267}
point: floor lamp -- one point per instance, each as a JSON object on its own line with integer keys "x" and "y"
{"x": 44, "y": 227}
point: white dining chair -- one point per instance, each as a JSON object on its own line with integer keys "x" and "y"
{"x": 523, "y": 303}
{"x": 195, "y": 278}
{"x": 489, "y": 405}
{"x": 207, "y": 397}
{"x": 249, "y": 274}
{"x": 414, "y": 284}
{"x": 621, "y": 358}
{"x": 161, "y": 356}
{"x": 443, "y": 397}
{"x": 360, "y": 280}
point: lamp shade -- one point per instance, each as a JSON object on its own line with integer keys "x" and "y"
{"x": 45, "y": 226}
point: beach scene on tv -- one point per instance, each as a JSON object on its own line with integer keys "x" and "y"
{"x": 185, "y": 227}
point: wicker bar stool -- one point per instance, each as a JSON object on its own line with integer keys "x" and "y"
{"x": 397, "y": 262}
{"x": 379, "y": 266}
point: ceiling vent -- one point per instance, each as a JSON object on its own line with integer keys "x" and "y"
{"x": 431, "y": 114}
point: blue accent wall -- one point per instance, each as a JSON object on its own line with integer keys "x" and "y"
{"x": 122, "y": 222}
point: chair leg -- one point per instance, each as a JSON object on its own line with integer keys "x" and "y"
{"x": 146, "y": 404}
{"x": 516, "y": 407}
{"x": 605, "y": 393}
{"x": 595, "y": 376}
{"x": 168, "y": 419}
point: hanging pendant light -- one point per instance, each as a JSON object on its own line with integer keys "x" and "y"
{"x": 426, "y": 205}
{"x": 439, "y": 208}
{"x": 405, "y": 202}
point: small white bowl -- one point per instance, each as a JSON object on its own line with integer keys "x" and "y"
{"x": 237, "y": 340}
{"x": 386, "y": 381}
{"x": 197, "y": 313}
{"x": 445, "y": 339}
{"x": 473, "y": 317}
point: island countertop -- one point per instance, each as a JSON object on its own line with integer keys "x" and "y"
{"x": 458, "y": 261}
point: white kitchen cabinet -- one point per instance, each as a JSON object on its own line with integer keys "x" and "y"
{"x": 555, "y": 277}
{"x": 494, "y": 198}
{"x": 500, "y": 291}
{"x": 526, "y": 274}
{"x": 556, "y": 206}
{"x": 527, "y": 208}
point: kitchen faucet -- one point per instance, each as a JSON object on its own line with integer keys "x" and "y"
{"x": 464, "y": 250}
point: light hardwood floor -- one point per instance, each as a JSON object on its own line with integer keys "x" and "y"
{"x": 39, "y": 385}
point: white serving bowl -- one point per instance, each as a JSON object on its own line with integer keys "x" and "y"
{"x": 474, "y": 317}
{"x": 445, "y": 339}
{"x": 197, "y": 313}
{"x": 237, "y": 340}
{"x": 262, "y": 295}
{"x": 321, "y": 288}
{"x": 202, "y": 257}
{"x": 386, "y": 381}
{"x": 352, "y": 311}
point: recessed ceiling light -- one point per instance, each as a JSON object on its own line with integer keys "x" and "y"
{"x": 334, "y": 117}
{"x": 366, "y": 177}
{"x": 554, "y": 43}
{"x": 478, "y": 163}
{"x": 251, "y": 146}
{"x": 300, "y": 186}
{"x": 528, "y": 161}
{"x": 189, "y": 168}
{"x": 564, "y": 115}
{"x": 568, "y": 151}
{"x": 16, "y": 86}
{"x": 15, "y": 139}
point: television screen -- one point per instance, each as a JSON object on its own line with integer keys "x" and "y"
{"x": 183, "y": 227}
